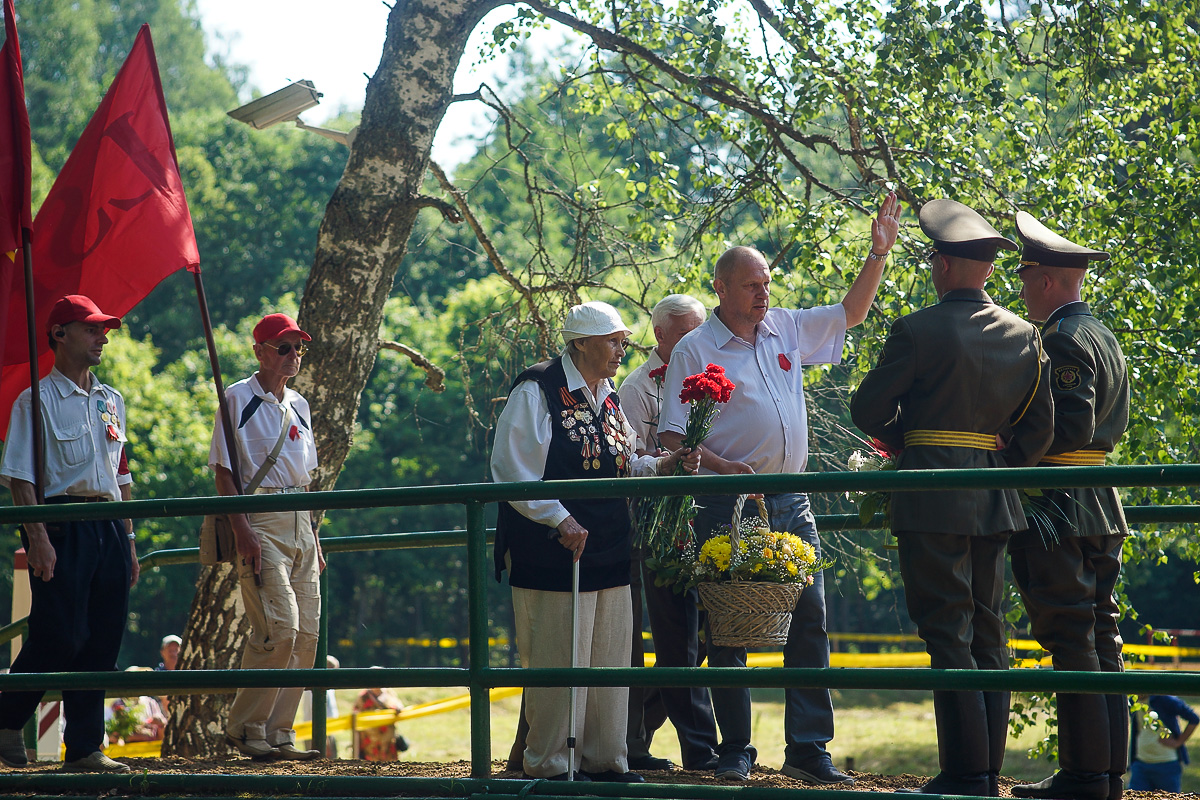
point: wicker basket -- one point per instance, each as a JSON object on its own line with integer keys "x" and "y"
{"x": 748, "y": 613}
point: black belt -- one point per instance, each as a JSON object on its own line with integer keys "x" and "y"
{"x": 73, "y": 498}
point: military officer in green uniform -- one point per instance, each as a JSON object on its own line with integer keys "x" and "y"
{"x": 1066, "y": 564}
{"x": 963, "y": 384}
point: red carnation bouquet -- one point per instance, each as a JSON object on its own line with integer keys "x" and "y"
{"x": 667, "y": 535}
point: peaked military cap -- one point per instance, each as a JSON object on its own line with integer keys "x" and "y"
{"x": 959, "y": 230}
{"x": 1044, "y": 247}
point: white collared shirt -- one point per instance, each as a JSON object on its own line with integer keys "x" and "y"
{"x": 641, "y": 400}
{"x": 522, "y": 443}
{"x": 82, "y": 450}
{"x": 765, "y": 422}
{"x": 257, "y": 416}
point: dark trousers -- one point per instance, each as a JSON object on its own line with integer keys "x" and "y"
{"x": 675, "y": 621}
{"x": 953, "y": 587}
{"x": 646, "y": 710}
{"x": 76, "y": 621}
{"x": 808, "y": 713}
{"x": 1068, "y": 590}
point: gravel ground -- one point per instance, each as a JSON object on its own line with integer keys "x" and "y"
{"x": 761, "y": 777}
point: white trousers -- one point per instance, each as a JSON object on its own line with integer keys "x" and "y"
{"x": 543, "y": 622}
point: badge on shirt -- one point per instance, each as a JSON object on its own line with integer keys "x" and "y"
{"x": 784, "y": 363}
{"x": 1067, "y": 378}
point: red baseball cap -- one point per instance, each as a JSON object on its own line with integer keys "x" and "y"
{"x": 272, "y": 326}
{"x": 79, "y": 308}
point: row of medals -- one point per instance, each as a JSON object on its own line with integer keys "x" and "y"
{"x": 580, "y": 425}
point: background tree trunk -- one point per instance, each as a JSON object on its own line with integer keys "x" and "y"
{"x": 216, "y": 630}
{"x": 367, "y": 223}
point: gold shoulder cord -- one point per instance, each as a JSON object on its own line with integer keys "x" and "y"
{"x": 1037, "y": 381}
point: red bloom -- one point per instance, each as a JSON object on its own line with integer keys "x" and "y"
{"x": 658, "y": 375}
{"x": 708, "y": 385}
{"x": 882, "y": 449}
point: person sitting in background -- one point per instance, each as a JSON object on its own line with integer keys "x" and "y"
{"x": 1156, "y": 760}
{"x": 134, "y": 719}
{"x": 381, "y": 743}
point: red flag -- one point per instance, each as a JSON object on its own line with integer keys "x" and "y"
{"x": 116, "y": 221}
{"x": 14, "y": 174}
{"x": 14, "y": 140}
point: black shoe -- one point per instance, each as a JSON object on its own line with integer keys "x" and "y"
{"x": 703, "y": 766}
{"x": 649, "y": 763}
{"x": 1064, "y": 785}
{"x": 971, "y": 785}
{"x": 562, "y": 776}
{"x": 822, "y": 773}
{"x": 734, "y": 766}
{"x": 611, "y": 776}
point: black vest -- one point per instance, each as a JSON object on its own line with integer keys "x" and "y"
{"x": 582, "y": 446}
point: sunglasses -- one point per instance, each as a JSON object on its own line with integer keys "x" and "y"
{"x": 286, "y": 348}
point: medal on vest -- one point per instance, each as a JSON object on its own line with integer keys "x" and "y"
{"x": 108, "y": 415}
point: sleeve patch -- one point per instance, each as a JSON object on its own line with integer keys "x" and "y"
{"x": 1066, "y": 378}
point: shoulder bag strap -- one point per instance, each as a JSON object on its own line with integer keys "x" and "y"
{"x": 273, "y": 456}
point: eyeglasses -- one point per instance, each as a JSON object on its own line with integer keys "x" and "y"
{"x": 286, "y": 347}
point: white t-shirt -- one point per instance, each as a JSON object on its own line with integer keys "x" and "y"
{"x": 257, "y": 416}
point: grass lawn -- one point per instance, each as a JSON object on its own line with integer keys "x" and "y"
{"x": 889, "y": 733}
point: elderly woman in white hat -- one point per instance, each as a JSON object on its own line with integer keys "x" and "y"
{"x": 563, "y": 421}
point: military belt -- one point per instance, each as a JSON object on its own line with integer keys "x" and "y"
{"x": 1078, "y": 458}
{"x": 976, "y": 441}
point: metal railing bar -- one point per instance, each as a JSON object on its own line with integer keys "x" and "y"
{"x": 223, "y": 681}
{"x": 1167, "y": 475}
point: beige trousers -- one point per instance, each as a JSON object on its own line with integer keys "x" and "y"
{"x": 543, "y": 623}
{"x": 284, "y": 614}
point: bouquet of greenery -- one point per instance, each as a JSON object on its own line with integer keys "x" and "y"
{"x": 878, "y": 457}
{"x": 666, "y": 534}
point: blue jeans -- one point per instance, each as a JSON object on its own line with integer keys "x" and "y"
{"x": 808, "y": 713}
{"x": 1166, "y": 777}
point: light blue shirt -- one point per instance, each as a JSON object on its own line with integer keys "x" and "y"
{"x": 765, "y": 422}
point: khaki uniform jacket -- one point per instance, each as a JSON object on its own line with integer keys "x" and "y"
{"x": 967, "y": 365}
{"x": 1090, "y": 385}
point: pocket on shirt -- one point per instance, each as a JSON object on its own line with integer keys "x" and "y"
{"x": 795, "y": 376}
{"x": 74, "y": 442}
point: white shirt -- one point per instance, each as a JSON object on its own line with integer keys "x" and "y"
{"x": 765, "y": 422}
{"x": 641, "y": 400}
{"x": 522, "y": 444}
{"x": 84, "y": 434}
{"x": 257, "y": 433}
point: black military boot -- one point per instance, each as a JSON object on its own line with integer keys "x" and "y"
{"x": 962, "y": 746}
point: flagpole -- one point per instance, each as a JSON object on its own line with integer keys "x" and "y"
{"x": 35, "y": 394}
{"x": 222, "y": 404}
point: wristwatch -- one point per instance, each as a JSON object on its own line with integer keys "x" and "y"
{"x": 875, "y": 256}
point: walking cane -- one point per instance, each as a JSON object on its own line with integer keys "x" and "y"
{"x": 574, "y": 664}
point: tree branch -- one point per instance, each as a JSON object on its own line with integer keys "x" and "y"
{"x": 435, "y": 376}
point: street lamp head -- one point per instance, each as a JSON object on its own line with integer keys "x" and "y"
{"x": 282, "y": 106}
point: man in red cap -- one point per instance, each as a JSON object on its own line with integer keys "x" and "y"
{"x": 80, "y": 572}
{"x": 279, "y": 558}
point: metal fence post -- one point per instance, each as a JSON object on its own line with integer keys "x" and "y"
{"x": 319, "y": 705}
{"x": 481, "y": 708}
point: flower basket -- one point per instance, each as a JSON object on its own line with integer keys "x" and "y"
{"x": 748, "y": 613}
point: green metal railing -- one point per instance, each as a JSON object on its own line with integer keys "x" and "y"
{"x": 479, "y": 676}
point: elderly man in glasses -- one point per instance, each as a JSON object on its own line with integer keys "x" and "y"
{"x": 279, "y": 557}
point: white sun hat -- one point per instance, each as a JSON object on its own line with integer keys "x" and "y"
{"x": 592, "y": 319}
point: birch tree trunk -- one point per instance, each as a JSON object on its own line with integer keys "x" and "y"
{"x": 213, "y": 638}
{"x": 367, "y": 223}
